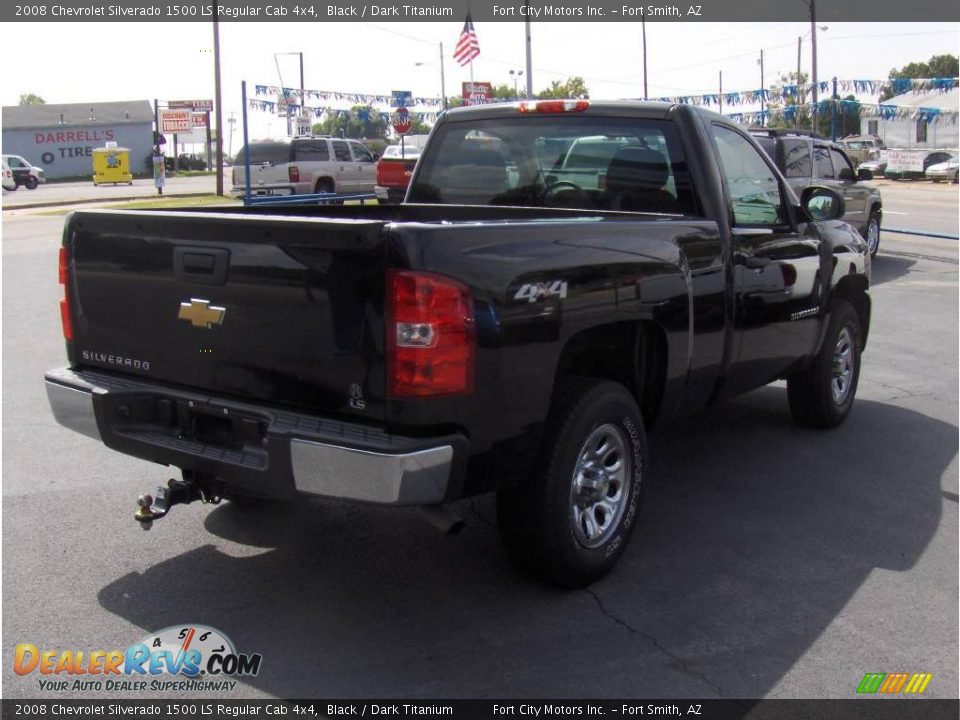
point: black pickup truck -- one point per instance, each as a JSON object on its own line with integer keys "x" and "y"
{"x": 505, "y": 329}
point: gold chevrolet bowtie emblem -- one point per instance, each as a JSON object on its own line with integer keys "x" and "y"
{"x": 201, "y": 313}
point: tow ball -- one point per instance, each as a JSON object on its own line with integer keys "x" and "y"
{"x": 177, "y": 492}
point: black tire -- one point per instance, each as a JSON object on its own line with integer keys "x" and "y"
{"x": 323, "y": 186}
{"x": 872, "y": 235}
{"x": 31, "y": 183}
{"x": 545, "y": 521}
{"x": 822, "y": 395}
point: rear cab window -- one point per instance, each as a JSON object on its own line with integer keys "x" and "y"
{"x": 269, "y": 152}
{"x": 311, "y": 151}
{"x": 582, "y": 162}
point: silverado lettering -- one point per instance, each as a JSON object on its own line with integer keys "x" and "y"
{"x": 562, "y": 277}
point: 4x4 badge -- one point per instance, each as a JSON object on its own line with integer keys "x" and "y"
{"x": 201, "y": 313}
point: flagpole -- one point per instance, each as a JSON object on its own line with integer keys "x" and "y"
{"x": 529, "y": 59}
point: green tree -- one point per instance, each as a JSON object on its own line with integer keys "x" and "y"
{"x": 937, "y": 66}
{"x": 503, "y": 92}
{"x": 778, "y": 101}
{"x": 418, "y": 127}
{"x": 574, "y": 87}
{"x": 31, "y": 99}
{"x": 361, "y": 122}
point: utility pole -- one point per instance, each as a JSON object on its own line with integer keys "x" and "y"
{"x": 643, "y": 26}
{"x": 218, "y": 106}
{"x": 813, "y": 65}
{"x": 720, "y": 96}
{"x": 443, "y": 82}
{"x": 529, "y": 57}
{"x": 231, "y": 121}
{"x": 763, "y": 106}
{"x": 796, "y": 115}
{"x": 303, "y": 95}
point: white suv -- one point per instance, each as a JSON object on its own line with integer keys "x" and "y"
{"x": 304, "y": 165}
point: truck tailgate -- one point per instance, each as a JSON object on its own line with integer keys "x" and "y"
{"x": 284, "y": 309}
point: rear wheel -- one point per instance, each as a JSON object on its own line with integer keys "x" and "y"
{"x": 570, "y": 520}
{"x": 822, "y": 395}
{"x": 873, "y": 233}
{"x": 323, "y": 186}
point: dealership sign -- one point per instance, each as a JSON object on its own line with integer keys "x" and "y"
{"x": 477, "y": 93}
{"x": 176, "y": 121}
{"x": 195, "y": 105}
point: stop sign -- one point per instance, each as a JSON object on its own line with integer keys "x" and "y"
{"x": 401, "y": 121}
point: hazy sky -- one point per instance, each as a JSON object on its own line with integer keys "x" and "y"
{"x": 88, "y": 62}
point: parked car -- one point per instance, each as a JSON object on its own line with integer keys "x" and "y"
{"x": 498, "y": 332}
{"x": 947, "y": 170}
{"x": 394, "y": 169}
{"x": 806, "y": 160}
{"x": 306, "y": 164}
{"x": 8, "y": 182}
{"x": 185, "y": 161}
{"x": 860, "y": 148}
{"x": 877, "y": 166}
{"x": 24, "y": 173}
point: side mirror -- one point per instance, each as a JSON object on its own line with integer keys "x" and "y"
{"x": 864, "y": 174}
{"x": 822, "y": 203}
{"x": 846, "y": 174}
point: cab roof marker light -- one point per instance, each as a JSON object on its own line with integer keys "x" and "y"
{"x": 553, "y": 106}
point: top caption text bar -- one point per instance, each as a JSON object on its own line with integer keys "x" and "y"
{"x": 481, "y": 11}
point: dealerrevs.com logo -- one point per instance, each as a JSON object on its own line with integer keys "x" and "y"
{"x": 201, "y": 657}
{"x": 894, "y": 683}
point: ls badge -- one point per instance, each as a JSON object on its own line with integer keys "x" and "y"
{"x": 201, "y": 313}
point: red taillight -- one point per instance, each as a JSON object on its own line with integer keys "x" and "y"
{"x": 431, "y": 336}
{"x": 294, "y": 173}
{"x": 65, "y": 320}
{"x": 553, "y": 106}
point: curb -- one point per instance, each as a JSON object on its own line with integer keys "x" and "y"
{"x": 93, "y": 201}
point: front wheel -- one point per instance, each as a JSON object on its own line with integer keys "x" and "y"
{"x": 873, "y": 233}
{"x": 31, "y": 183}
{"x": 571, "y": 518}
{"x": 822, "y": 395}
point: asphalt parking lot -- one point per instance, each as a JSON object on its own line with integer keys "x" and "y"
{"x": 770, "y": 561}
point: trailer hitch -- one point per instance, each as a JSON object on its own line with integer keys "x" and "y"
{"x": 177, "y": 492}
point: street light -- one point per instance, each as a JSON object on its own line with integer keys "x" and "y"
{"x": 303, "y": 94}
{"x": 516, "y": 75}
{"x": 443, "y": 82}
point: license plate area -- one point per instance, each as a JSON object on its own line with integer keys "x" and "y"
{"x": 210, "y": 425}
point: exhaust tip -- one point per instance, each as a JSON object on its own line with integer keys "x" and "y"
{"x": 442, "y": 518}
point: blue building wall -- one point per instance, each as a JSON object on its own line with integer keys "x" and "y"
{"x": 67, "y": 151}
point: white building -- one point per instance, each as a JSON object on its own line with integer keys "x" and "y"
{"x": 910, "y": 132}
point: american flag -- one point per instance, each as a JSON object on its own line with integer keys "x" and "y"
{"x": 468, "y": 47}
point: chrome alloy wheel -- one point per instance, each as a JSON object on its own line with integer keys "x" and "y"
{"x": 873, "y": 235}
{"x": 842, "y": 370}
{"x": 600, "y": 486}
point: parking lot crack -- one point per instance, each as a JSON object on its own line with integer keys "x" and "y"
{"x": 684, "y": 667}
{"x": 903, "y": 392}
